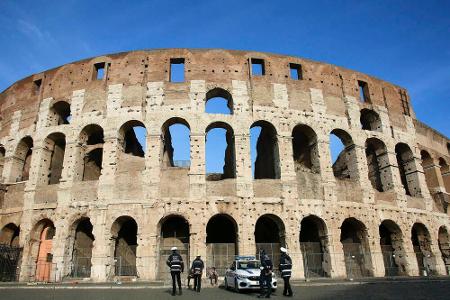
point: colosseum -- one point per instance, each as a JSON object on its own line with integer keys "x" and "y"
{"x": 83, "y": 197}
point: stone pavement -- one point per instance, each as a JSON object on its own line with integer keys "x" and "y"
{"x": 434, "y": 288}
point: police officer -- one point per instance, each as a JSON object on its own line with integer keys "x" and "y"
{"x": 285, "y": 268}
{"x": 197, "y": 270}
{"x": 265, "y": 275}
{"x": 176, "y": 265}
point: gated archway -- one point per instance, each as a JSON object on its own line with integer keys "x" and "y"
{"x": 314, "y": 247}
{"x": 355, "y": 244}
{"x": 124, "y": 233}
{"x": 174, "y": 233}
{"x": 269, "y": 235}
{"x": 221, "y": 242}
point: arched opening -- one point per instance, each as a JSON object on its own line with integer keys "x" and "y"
{"x": 220, "y": 153}
{"x": 59, "y": 114}
{"x": 2, "y": 161}
{"x": 370, "y": 120}
{"x": 21, "y": 161}
{"x": 445, "y": 173}
{"x": 270, "y": 236}
{"x": 53, "y": 158}
{"x": 407, "y": 169}
{"x": 221, "y": 241}
{"x": 314, "y": 246}
{"x": 9, "y": 235}
{"x": 444, "y": 246}
{"x": 343, "y": 155}
{"x": 378, "y": 165}
{"x": 10, "y": 253}
{"x": 42, "y": 250}
{"x": 428, "y": 169}
{"x": 391, "y": 243}
{"x": 133, "y": 146}
{"x": 264, "y": 151}
{"x": 174, "y": 233}
{"x": 176, "y": 143}
{"x": 421, "y": 241}
{"x": 219, "y": 101}
{"x": 92, "y": 140}
{"x": 124, "y": 233}
{"x": 304, "y": 146}
{"x": 82, "y": 241}
{"x": 355, "y": 244}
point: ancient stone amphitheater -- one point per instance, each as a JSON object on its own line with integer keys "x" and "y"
{"x": 81, "y": 197}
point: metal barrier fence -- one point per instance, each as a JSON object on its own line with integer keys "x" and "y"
{"x": 315, "y": 265}
{"x": 10, "y": 259}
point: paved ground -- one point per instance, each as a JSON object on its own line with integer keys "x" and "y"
{"x": 436, "y": 289}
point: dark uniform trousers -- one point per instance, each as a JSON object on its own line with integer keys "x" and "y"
{"x": 287, "y": 291}
{"x": 175, "y": 262}
{"x": 197, "y": 282}
{"x": 176, "y": 279}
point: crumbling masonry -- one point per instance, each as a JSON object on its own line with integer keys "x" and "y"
{"x": 82, "y": 198}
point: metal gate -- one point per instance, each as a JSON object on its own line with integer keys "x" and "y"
{"x": 355, "y": 260}
{"x": 390, "y": 266}
{"x": 10, "y": 258}
{"x": 125, "y": 262}
{"x": 164, "y": 252}
{"x": 220, "y": 256}
{"x": 313, "y": 258}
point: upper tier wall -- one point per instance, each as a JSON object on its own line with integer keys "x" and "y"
{"x": 218, "y": 67}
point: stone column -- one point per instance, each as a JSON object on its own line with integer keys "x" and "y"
{"x": 102, "y": 260}
{"x": 376, "y": 254}
{"x": 109, "y": 165}
{"x": 292, "y": 235}
{"x": 197, "y": 180}
{"x": 336, "y": 251}
{"x": 326, "y": 169}
{"x": 244, "y": 180}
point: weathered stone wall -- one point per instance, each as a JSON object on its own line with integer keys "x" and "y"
{"x": 136, "y": 87}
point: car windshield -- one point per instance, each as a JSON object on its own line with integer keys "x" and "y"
{"x": 254, "y": 264}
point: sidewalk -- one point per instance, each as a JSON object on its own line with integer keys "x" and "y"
{"x": 160, "y": 284}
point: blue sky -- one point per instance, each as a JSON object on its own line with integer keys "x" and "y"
{"x": 404, "y": 42}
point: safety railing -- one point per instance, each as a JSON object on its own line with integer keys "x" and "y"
{"x": 306, "y": 264}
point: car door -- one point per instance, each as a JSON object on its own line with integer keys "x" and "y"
{"x": 231, "y": 274}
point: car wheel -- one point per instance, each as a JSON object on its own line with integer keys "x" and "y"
{"x": 225, "y": 283}
{"x": 236, "y": 286}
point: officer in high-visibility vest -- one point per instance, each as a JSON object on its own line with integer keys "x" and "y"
{"x": 265, "y": 276}
{"x": 176, "y": 265}
{"x": 197, "y": 270}
{"x": 285, "y": 268}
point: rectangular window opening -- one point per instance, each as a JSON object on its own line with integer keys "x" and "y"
{"x": 37, "y": 85}
{"x": 177, "y": 70}
{"x": 258, "y": 68}
{"x": 296, "y": 71}
{"x": 99, "y": 71}
{"x": 363, "y": 91}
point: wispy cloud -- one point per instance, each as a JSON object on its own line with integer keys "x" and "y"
{"x": 36, "y": 34}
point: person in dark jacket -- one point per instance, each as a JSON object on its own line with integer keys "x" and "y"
{"x": 285, "y": 268}
{"x": 176, "y": 265}
{"x": 265, "y": 277}
{"x": 197, "y": 270}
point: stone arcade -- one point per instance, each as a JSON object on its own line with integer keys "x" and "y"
{"x": 82, "y": 198}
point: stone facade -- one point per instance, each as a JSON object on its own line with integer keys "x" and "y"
{"x": 72, "y": 174}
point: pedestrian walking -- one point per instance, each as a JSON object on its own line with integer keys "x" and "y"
{"x": 176, "y": 265}
{"x": 285, "y": 268}
{"x": 197, "y": 270}
{"x": 265, "y": 277}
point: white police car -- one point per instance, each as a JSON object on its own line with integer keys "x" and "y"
{"x": 243, "y": 274}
